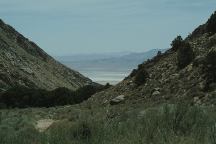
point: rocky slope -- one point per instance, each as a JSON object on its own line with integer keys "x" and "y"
{"x": 22, "y": 62}
{"x": 166, "y": 81}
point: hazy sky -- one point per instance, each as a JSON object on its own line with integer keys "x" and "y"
{"x": 64, "y": 27}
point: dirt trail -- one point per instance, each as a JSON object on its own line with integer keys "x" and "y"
{"x": 43, "y": 124}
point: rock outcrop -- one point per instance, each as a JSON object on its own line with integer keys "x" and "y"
{"x": 117, "y": 100}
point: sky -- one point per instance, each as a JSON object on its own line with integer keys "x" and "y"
{"x": 67, "y": 27}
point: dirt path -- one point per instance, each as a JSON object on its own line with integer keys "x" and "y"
{"x": 43, "y": 124}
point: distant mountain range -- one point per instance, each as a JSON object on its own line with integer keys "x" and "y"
{"x": 107, "y": 67}
{"x": 90, "y": 56}
{"x": 118, "y": 61}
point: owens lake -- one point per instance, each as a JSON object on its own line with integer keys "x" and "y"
{"x": 112, "y": 74}
{"x": 103, "y": 77}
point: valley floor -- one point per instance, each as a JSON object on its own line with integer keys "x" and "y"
{"x": 119, "y": 124}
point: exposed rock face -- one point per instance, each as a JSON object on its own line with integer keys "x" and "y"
{"x": 156, "y": 93}
{"x": 22, "y": 62}
{"x": 117, "y": 100}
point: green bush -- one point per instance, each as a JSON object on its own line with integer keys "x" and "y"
{"x": 177, "y": 43}
{"x": 210, "y": 69}
{"x": 141, "y": 76}
{"x": 159, "y": 53}
{"x": 84, "y": 93}
{"x": 61, "y": 96}
{"x": 211, "y": 24}
{"x": 185, "y": 55}
{"x": 23, "y": 97}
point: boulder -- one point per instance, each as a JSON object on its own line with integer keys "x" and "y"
{"x": 156, "y": 89}
{"x": 117, "y": 100}
{"x": 189, "y": 67}
{"x": 156, "y": 93}
{"x": 27, "y": 70}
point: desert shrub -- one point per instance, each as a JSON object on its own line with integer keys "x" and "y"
{"x": 210, "y": 69}
{"x": 177, "y": 43}
{"x": 211, "y": 24}
{"x": 141, "y": 76}
{"x": 185, "y": 55}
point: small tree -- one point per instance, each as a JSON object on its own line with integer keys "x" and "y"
{"x": 159, "y": 53}
{"x": 133, "y": 73}
{"x": 185, "y": 55}
{"x": 177, "y": 43}
{"x": 211, "y": 24}
{"x": 141, "y": 76}
{"x": 107, "y": 85}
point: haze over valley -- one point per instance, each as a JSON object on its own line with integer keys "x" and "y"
{"x": 107, "y": 67}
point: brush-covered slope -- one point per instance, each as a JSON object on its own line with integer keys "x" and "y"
{"x": 187, "y": 71}
{"x": 23, "y": 63}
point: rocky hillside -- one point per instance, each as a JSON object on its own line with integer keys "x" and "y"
{"x": 23, "y": 63}
{"x": 187, "y": 71}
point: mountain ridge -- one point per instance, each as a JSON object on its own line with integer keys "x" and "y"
{"x": 161, "y": 78}
{"x": 24, "y": 63}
